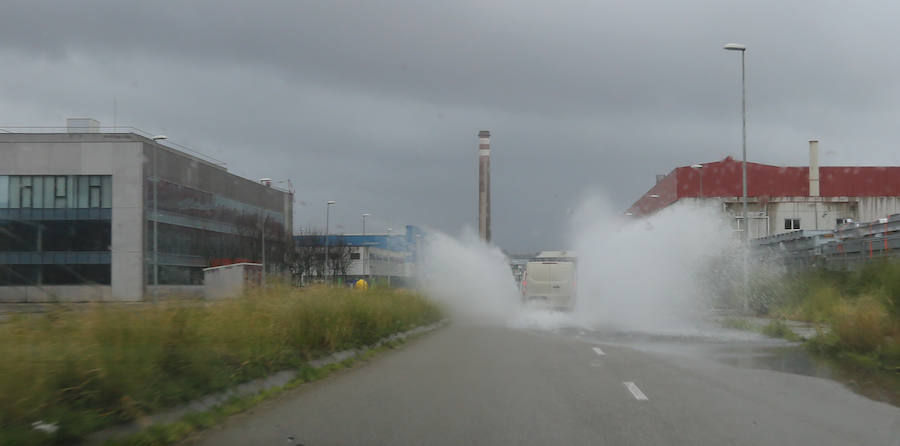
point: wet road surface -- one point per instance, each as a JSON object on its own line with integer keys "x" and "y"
{"x": 492, "y": 385}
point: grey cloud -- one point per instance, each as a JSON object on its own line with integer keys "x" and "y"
{"x": 376, "y": 104}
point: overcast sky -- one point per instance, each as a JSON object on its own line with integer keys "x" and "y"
{"x": 376, "y": 104}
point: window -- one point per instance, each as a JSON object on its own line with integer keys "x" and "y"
{"x": 354, "y": 256}
{"x": 25, "y": 192}
{"x": 791, "y": 223}
{"x": 843, "y": 221}
{"x": 59, "y": 196}
{"x": 94, "y": 194}
{"x": 55, "y": 191}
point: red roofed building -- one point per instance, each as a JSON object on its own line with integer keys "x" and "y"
{"x": 779, "y": 198}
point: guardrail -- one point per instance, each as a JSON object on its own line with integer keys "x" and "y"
{"x": 847, "y": 247}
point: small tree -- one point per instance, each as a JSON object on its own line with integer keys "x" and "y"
{"x": 308, "y": 256}
{"x": 339, "y": 256}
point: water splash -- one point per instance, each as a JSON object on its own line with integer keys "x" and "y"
{"x": 470, "y": 278}
{"x": 652, "y": 274}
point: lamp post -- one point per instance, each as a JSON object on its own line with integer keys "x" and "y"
{"x": 365, "y": 257}
{"x": 699, "y": 168}
{"x": 390, "y": 259}
{"x": 745, "y": 235}
{"x": 328, "y": 206}
{"x": 156, "y": 139}
{"x": 743, "y": 49}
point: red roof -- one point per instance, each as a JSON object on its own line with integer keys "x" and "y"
{"x": 723, "y": 179}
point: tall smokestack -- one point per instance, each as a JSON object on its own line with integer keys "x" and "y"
{"x": 484, "y": 185}
{"x": 813, "y": 168}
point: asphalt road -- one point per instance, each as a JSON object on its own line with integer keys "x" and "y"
{"x": 496, "y": 386}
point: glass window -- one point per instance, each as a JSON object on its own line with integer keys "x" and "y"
{"x": 37, "y": 192}
{"x": 71, "y": 197}
{"x": 49, "y": 191}
{"x": 75, "y": 274}
{"x": 59, "y": 195}
{"x": 60, "y": 186}
{"x": 83, "y": 191}
{"x": 19, "y": 274}
{"x": 94, "y": 197}
{"x": 68, "y": 235}
{"x": 106, "y": 191}
{"x": 14, "y": 192}
{"x": 791, "y": 223}
{"x": 18, "y": 236}
{"x": 25, "y": 192}
{"x": 4, "y": 191}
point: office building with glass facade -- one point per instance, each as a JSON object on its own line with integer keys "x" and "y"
{"x": 78, "y": 220}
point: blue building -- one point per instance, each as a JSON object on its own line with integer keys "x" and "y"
{"x": 392, "y": 257}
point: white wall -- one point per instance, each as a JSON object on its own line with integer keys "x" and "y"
{"x": 873, "y": 208}
{"x": 92, "y": 154}
{"x": 381, "y": 262}
{"x": 812, "y": 215}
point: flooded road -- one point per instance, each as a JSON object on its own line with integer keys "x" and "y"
{"x": 751, "y": 351}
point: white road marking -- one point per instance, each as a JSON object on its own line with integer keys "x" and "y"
{"x": 598, "y": 351}
{"x": 633, "y": 388}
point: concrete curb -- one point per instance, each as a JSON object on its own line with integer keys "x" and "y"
{"x": 248, "y": 388}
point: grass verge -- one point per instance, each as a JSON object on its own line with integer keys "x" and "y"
{"x": 861, "y": 308}
{"x": 108, "y": 364}
{"x": 169, "y": 433}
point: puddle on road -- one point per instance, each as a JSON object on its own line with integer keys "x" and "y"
{"x": 754, "y": 351}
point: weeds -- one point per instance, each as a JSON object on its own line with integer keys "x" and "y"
{"x": 82, "y": 370}
{"x": 779, "y": 329}
{"x": 862, "y": 308}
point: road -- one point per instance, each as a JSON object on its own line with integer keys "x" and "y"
{"x": 501, "y": 386}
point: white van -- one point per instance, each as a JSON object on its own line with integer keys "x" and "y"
{"x": 549, "y": 282}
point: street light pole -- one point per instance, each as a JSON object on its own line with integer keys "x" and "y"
{"x": 363, "y": 247}
{"x": 263, "y": 241}
{"x": 156, "y": 139}
{"x": 328, "y": 205}
{"x": 391, "y": 262}
{"x": 745, "y": 235}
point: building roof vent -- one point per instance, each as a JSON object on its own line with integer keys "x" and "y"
{"x": 266, "y": 182}
{"x": 82, "y": 125}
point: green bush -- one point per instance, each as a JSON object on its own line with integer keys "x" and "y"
{"x": 103, "y": 364}
{"x": 778, "y": 329}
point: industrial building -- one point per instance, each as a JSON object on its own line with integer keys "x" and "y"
{"x": 780, "y": 199}
{"x": 391, "y": 257}
{"x": 87, "y": 215}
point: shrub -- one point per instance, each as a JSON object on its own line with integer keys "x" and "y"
{"x": 862, "y": 325}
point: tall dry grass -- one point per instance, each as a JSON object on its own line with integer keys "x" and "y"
{"x": 861, "y": 308}
{"x": 110, "y": 363}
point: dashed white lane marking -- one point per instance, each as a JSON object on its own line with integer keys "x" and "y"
{"x": 633, "y": 388}
{"x": 598, "y": 351}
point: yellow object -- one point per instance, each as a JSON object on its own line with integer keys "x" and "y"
{"x": 362, "y": 284}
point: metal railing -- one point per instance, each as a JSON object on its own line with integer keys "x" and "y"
{"x": 847, "y": 247}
